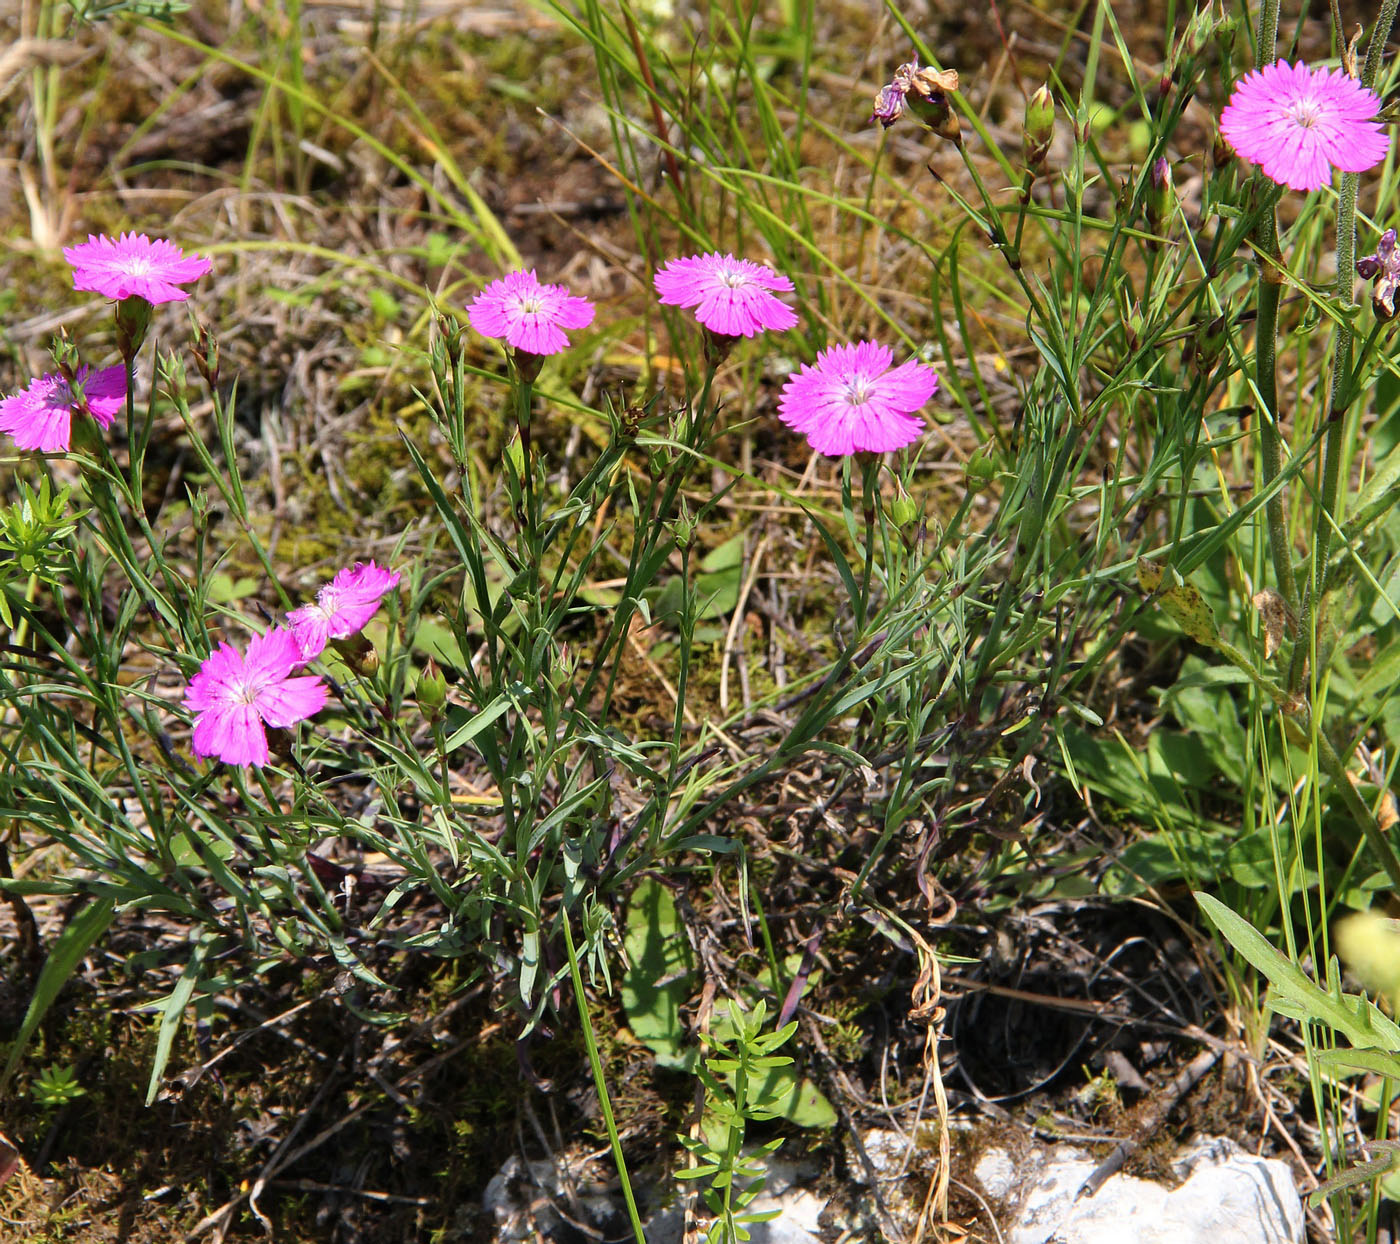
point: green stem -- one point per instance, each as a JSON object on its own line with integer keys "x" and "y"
{"x": 1266, "y": 240}
{"x": 868, "y": 472}
{"x": 599, "y": 1082}
{"x": 1343, "y": 386}
{"x": 1270, "y": 444}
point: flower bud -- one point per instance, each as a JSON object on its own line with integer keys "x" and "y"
{"x": 903, "y": 509}
{"x": 206, "y": 353}
{"x": 1039, "y": 131}
{"x": 1160, "y": 195}
{"x": 979, "y": 472}
{"x": 431, "y": 691}
{"x": 683, "y": 530}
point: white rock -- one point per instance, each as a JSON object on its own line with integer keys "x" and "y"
{"x": 1227, "y": 1197}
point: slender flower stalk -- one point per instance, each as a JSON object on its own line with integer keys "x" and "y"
{"x": 1341, "y": 391}
{"x": 1265, "y": 346}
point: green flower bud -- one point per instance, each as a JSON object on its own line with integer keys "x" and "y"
{"x": 1161, "y": 198}
{"x": 979, "y": 472}
{"x": 903, "y": 509}
{"x": 683, "y": 530}
{"x": 1039, "y": 130}
{"x": 431, "y": 690}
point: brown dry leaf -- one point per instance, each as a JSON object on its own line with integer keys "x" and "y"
{"x": 1276, "y": 617}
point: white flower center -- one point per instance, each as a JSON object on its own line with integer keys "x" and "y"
{"x": 732, "y": 277}
{"x": 857, "y": 390}
{"x": 242, "y": 691}
{"x": 137, "y": 265}
{"x": 530, "y": 304}
{"x": 1306, "y": 113}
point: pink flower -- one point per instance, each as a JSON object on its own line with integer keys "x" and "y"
{"x": 41, "y": 416}
{"x": 530, "y": 316}
{"x": 1298, "y": 124}
{"x": 233, "y": 696}
{"x": 730, "y": 296}
{"x": 342, "y": 607}
{"x": 851, "y": 401}
{"x": 133, "y": 266}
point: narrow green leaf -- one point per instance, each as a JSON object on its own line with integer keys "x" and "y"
{"x": 72, "y": 944}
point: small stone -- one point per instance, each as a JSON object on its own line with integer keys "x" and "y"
{"x": 1227, "y": 1197}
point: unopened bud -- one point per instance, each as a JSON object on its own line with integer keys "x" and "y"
{"x": 206, "y": 353}
{"x": 979, "y": 472}
{"x": 1161, "y": 198}
{"x": 1200, "y": 33}
{"x": 431, "y": 690}
{"x": 683, "y": 530}
{"x": 1039, "y": 130}
{"x": 903, "y": 509}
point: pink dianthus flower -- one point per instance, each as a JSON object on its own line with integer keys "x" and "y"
{"x": 1298, "y": 124}
{"x": 134, "y": 266}
{"x": 529, "y": 316}
{"x": 342, "y": 607}
{"x": 235, "y": 696}
{"x": 41, "y": 416}
{"x": 731, "y": 296}
{"x": 851, "y": 400}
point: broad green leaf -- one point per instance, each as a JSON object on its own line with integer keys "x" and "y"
{"x": 659, "y": 973}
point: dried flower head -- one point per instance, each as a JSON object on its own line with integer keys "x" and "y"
{"x": 41, "y": 416}
{"x": 1298, "y": 124}
{"x": 134, "y": 266}
{"x": 235, "y": 696}
{"x": 732, "y": 297}
{"x": 852, "y": 400}
{"x": 1384, "y": 269}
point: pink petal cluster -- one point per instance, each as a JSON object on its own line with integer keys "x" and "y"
{"x": 235, "y": 697}
{"x": 134, "y": 266}
{"x": 41, "y": 416}
{"x": 851, "y": 400}
{"x": 529, "y": 316}
{"x": 732, "y": 297}
{"x": 1298, "y": 124}
{"x": 342, "y": 607}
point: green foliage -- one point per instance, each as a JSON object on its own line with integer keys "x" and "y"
{"x": 738, "y": 1075}
{"x": 660, "y": 980}
{"x": 56, "y": 1086}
